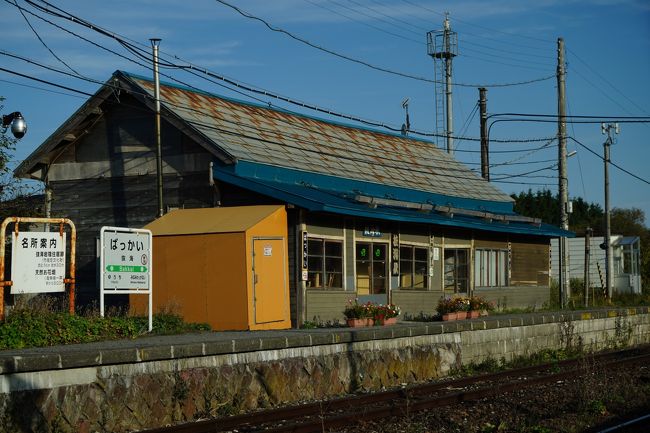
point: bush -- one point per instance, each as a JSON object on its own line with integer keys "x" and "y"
{"x": 25, "y": 327}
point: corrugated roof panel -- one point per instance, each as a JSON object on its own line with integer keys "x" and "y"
{"x": 259, "y": 134}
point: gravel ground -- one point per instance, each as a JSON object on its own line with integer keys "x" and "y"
{"x": 568, "y": 406}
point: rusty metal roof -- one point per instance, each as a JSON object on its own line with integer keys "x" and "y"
{"x": 259, "y": 134}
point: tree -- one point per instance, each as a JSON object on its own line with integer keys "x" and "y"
{"x": 16, "y": 197}
{"x": 627, "y": 222}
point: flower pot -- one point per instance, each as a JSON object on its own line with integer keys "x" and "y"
{"x": 449, "y": 316}
{"x": 389, "y": 321}
{"x": 483, "y": 312}
{"x": 358, "y": 323}
{"x": 461, "y": 315}
{"x": 473, "y": 314}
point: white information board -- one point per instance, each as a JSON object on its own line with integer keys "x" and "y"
{"x": 38, "y": 262}
{"x": 125, "y": 258}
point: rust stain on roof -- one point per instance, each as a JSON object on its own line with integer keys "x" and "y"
{"x": 269, "y": 136}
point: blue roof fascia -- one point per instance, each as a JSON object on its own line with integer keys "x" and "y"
{"x": 356, "y": 187}
{"x": 276, "y": 108}
{"x": 324, "y": 201}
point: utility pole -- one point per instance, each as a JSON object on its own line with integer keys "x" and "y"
{"x": 442, "y": 45}
{"x": 565, "y": 289}
{"x": 450, "y": 107}
{"x": 587, "y": 264}
{"x": 156, "y": 79}
{"x": 485, "y": 145}
{"x": 609, "y": 268}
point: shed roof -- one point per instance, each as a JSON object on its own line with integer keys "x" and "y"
{"x": 210, "y": 220}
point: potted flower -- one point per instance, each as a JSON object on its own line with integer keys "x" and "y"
{"x": 386, "y": 314}
{"x": 475, "y": 306}
{"x": 358, "y": 314}
{"x": 447, "y": 308}
{"x": 486, "y": 307}
{"x": 462, "y": 307}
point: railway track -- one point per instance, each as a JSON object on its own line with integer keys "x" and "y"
{"x": 346, "y": 411}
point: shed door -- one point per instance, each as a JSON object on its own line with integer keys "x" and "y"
{"x": 269, "y": 280}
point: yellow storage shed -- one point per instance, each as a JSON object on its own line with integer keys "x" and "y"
{"x": 224, "y": 266}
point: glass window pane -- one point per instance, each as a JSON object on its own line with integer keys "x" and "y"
{"x": 315, "y": 247}
{"x": 314, "y": 279}
{"x": 421, "y": 254}
{"x": 379, "y": 252}
{"x": 333, "y": 249}
{"x": 405, "y": 253}
{"x": 363, "y": 251}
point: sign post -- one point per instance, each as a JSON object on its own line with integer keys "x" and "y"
{"x": 38, "y": 259}
{"x": 125, "y": 257}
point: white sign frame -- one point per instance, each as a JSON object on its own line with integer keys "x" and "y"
{"x": 34, "y": 273}
{"x": 103, "y": 290}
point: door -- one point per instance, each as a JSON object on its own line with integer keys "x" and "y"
{"x": 371, "y": 272}
{"x": 270, "y": 296}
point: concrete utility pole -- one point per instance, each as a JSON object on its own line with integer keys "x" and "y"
{"x": 565, "y": 289}
{"x": 485, "y": 145}
{"x": 609, "y": 266}
{"x": 450, "y": 106}
{"x": 156, "y": 79}
{"x": 587, "y": 263}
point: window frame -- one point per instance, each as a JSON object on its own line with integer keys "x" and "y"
{"x": 468, "y": 268}
{"x": 413, "y": 262}
{"x": 323, "y": 260}
{"x": 491, "y": 267}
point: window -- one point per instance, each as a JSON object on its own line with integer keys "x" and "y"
{"x": 324, "y": 264}
{"x": 371, "y": 268}
{"x": 490, "y": 268}
{"x": 413, "y": 265}
{"x": 457, "y": 270}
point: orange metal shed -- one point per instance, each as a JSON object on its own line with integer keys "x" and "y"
{"x": 224, "y": 266}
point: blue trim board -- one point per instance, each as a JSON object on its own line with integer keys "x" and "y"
{"x": 350, "y": 188}
{"x": 316, "y": 199}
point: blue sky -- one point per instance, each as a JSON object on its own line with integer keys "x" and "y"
{"x": 499, "y": 42}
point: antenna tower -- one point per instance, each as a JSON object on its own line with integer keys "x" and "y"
{"x": 442, "y": 45}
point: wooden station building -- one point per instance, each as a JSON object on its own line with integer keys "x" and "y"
{"x": 370, "y": 214}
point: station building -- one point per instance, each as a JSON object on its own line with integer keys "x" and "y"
{"x": 370, "y": 214}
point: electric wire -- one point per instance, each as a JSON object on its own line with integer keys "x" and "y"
{"x": 605, "y": 80}
{"x": 477, "y": 25}
{"x": 610, "y": 162}
{"x": 42, "y": 41}
{"x": 228, "y": 80}
{"x": 363, "y": 62}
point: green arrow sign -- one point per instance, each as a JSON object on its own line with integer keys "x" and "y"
{"x": 122, "y": 268}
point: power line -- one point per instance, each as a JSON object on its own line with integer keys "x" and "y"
{"x": 610, "y": 162}
{"x": 41, "y": 39}
{"x": 364, "y": 63}
{"x": 44, "y": 89}
{"x": 232, "y": 82}
{"x": 45, "y": 82}
{"x": 595, "y": 72}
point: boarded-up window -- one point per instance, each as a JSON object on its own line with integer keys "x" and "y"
{"x": 490, "y": 268}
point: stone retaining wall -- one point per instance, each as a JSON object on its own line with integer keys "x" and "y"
{"x": 120, "y": 389}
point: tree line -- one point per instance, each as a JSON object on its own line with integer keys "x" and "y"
{"x": 623, "y": 221}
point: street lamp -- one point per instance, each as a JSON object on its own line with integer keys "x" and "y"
{"x": 17, "y": 123}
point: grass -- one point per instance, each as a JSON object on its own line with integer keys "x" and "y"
{"x": 38, "y": 322}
